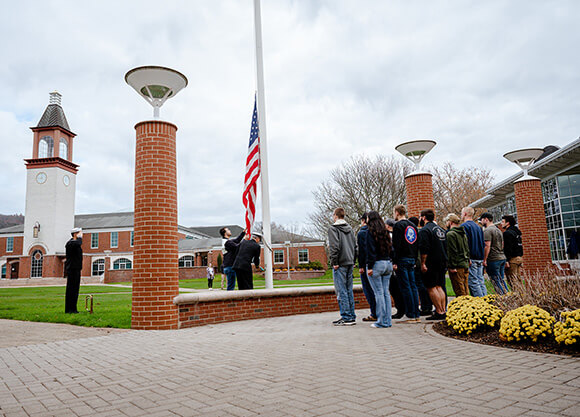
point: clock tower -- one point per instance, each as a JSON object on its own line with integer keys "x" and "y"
{"x": 50, "y": 194}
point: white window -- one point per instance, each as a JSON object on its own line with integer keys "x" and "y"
{"x": 3, "y": 275}
{"x": 114, "y": 239}
{"x": 9, "y": 244}
{"x": 98, "y": 267}
{"x": 94, "y": 240}
{"x": 63, "y": 148}
{"x": 186, "y": 261}
{"x": 122, "y": 263}
{"x": 36, "y": 266}
{"x": 45, "y": 147}
{"x": 303, "y": 256}
{"x": 278, "y": 256}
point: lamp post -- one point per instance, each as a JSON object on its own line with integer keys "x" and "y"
{"x": 155, "y": 254}
{"x": 419, "y": 184}
{"x": 287, "y": 243}
{"x": 530, "y": 211}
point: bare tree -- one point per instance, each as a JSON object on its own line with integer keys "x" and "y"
{"x": 360, "y": 184}
{"x": 455, "y": 188}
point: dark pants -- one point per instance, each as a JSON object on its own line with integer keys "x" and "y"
{"x": 395, "y": 291}
{"x": 210, "y": 283}
{"x": 245, "y": 279}
{"x": 369, "y": 293}
{"x": 73, "y": 284}
{"x": 425, "y": 300}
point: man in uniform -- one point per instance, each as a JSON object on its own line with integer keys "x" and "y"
{"x": 72, "y": 266}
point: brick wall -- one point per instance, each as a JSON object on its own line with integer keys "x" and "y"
{"x": 155, "y": 254}
{"x": 16, "y": 249}
{"x": 226, "y": 306}
{"x": 124, "y": 242}
{"x": 118, "y": 275}
{"x": 532, "y": 223}
{"x": 419, "y": 193}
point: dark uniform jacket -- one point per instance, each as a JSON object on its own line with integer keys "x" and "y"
{"x": 405, "y": 240}
{"x": 74, "y": 255}
{"x": 248, "y": 253}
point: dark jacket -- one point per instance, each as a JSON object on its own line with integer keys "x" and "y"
{"x": 231, "y": 250}
{"x": 512, "y": 242}
{"x": 74, "y": 255}
{"x": 405, "y": 242}
{"x": 475, "y": 239}
{"x": 432, "y": 244}
{"x": 457, "y": 248}
{"x": 341, "y": 244}
{"x": 373, "y": 252}
{"x": 361, "y": 239}
{"x": 248, "y": 253}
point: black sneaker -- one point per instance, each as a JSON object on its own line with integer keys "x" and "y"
{"x": 397, "y": 316}
{"x": 342, "y": 322}
{"x": 437, "y": 316}
{"x": 350, "y": 323}
{"x": 426, "y": 312}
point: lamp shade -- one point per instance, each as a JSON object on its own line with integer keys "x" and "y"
{"x": 156, "y": 84}
{"x": 524, "y": 158}
{"x": 415, "y": 150}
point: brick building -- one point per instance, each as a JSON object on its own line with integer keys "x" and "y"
{"x": 35, "y": 249}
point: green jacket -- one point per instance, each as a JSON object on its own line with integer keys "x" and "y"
{"x": 457, "y": 248}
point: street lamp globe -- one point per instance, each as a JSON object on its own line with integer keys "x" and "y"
{"x": 524, "y": 158}
{"x": 156, "y": 84}
{"x": 415, "y": 150}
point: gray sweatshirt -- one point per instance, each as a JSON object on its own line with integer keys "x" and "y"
{"x": 341, "y": 244}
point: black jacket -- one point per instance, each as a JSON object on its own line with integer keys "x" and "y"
{"x": 405, "y": 240}
{"x": 361, "y": 239}
{"x": 248, "y": 253}
{"x": 373, "y": 253}
{"x": 512, "y": 242}
{"x": 231, "y": 250}
{"x": 432, "y": 243}
{"x": 74, "y": 255}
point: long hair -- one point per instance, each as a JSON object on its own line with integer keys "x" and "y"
{"x": 379, "y": 233}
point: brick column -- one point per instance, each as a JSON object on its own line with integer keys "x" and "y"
{"x": 419, "y": 187}
{"x": 532, "y": 223}
{"x": 155, "y": 263}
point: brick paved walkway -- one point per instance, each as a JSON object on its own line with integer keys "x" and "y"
{"x": 284, "y": 366}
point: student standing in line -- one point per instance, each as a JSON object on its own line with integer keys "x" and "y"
{"x": 362, "y": 262}
{"x": 380, "y": 267}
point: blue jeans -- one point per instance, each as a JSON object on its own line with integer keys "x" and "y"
{"x": 406, "y": 276}
{"x": 231, "y": 275}
{"x": 369, "y": 293}
{"x": 379, "y": 280}
{"x": 343, "y": 287}
{"x": 475, "y": 280}
{"x": 495, "y": 270}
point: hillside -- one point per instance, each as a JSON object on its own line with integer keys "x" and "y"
{"x": 7, "y": 220}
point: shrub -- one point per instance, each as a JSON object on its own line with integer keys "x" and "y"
{"x": 526, "y": 323}
{"x": 466, "y": 314}
{"x": 567, "y": 332}
{"x": 545, "y": 290}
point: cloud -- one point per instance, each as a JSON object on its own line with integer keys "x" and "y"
{"x": 342, "y": 78}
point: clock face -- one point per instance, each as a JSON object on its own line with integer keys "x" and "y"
{"x": 41, "y": 178}
{"x": 66, "y": 180}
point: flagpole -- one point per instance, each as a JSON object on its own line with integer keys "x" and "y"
{"x": 266, "y": 231}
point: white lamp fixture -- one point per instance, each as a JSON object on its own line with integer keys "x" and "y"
{"x": 156, "y": 84}
{"x": 35, "y": 230}
{"x": 524, "y": 158}
{"x": 416, "y": 150}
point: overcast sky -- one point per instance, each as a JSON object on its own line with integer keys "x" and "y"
{"x": 342, "y": 78}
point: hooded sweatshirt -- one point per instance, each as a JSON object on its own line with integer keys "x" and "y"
{"x": 457, "y": 248}
{"x": 341, "y": 243}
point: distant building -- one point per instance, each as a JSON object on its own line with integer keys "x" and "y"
{"x": 35, "y": 249}
{"x": 559, "y": 172}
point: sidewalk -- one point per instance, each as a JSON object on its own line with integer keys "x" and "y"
{"x": 282, "y": 366}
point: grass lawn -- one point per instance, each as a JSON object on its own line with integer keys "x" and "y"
{"x": 112, "y": 304}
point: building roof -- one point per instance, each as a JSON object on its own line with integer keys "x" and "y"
{"x": 214, "y": 231}
{"x": 563, "y": 161}
{"x": 193, "y": 244}
{"x": 53, "y": 116}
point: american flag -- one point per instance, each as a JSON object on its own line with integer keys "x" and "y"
{"x": 252, "y": 172}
